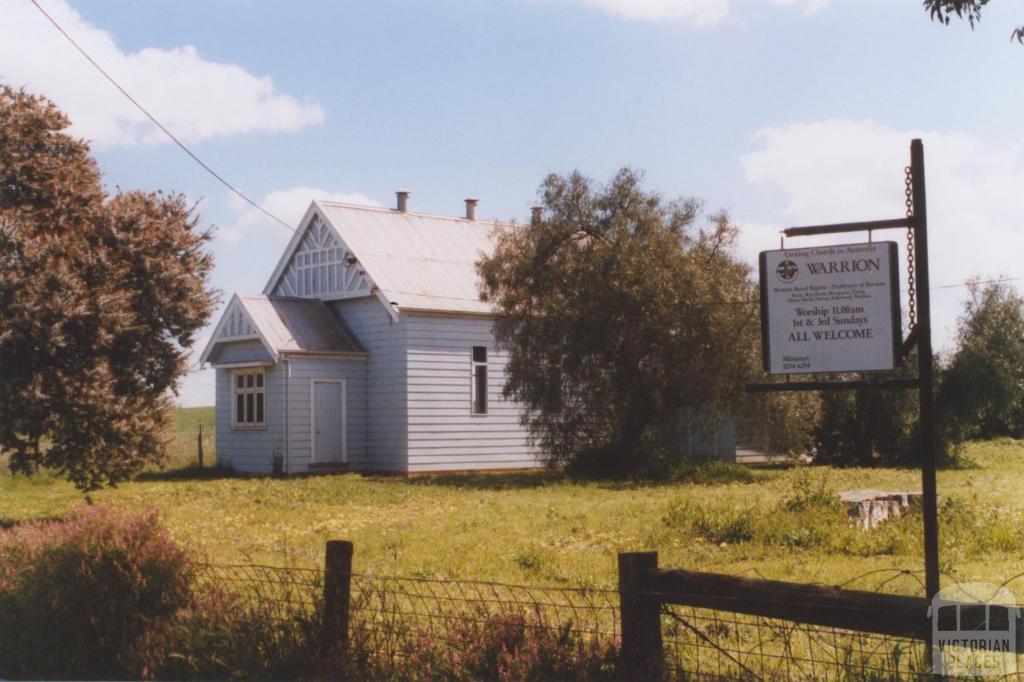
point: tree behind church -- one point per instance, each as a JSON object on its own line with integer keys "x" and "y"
{"x": 982, "y": 391}
{"x": 621, "y": 312}
{"x": 99, "y": 295}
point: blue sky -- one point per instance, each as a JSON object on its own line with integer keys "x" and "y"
{"x": 780, "y": 111}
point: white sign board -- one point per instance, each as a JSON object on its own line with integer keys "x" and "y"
{"x": 830, "y": 309}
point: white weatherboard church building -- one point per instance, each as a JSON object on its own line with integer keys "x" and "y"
{"x": 368, "y": 350}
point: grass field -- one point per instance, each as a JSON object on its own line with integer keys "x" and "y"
{"x": 543, "y": 529}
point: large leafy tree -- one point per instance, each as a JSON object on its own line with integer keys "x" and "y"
{"x": 622, "y": 313}
{"x": 99, "y": 297}
{"x": 785, "y": 422}
{"x": 869, "y": 427}
{"x": 982, "y": 393}
{"x": 944, "y": 10}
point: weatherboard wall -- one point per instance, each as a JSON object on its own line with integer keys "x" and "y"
{"x": 250, "y": 350}
{"x": 252, "y": 450}
{"x": 443, "y": 434}
{"x": 385, "y": 394}
{"x": 304, "y": 370}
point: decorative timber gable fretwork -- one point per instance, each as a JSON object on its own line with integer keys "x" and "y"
{"x": 236, "y": 323}
{"x": 322, "y": 267}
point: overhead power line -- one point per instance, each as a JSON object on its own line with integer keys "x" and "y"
{"x": 985, "y": 281}
{"x": 958, "y": 285}
{"x": 159, "y": 125}
{"x": 267, "y": 213}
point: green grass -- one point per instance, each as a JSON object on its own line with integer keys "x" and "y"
{"x": 543, "y": 529}
{"x": 188, "y": 419}
{"x": 184, "y": 433}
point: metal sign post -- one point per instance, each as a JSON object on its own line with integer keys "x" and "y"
{"x": 920, "y": 335}
{"x": 925, "y": 376}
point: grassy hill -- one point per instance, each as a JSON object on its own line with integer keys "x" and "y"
{"x": 187, "y": 419}
{"x": 183, "y": 447}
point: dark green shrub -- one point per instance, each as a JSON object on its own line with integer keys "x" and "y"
{"x": 221, "y": 635}
{"x": 714, "y": 472}
{"x": 868, "y": 427}
{"x": 76, "y": 595}
{"x": 973, "y": 528}
{"x": 811, "y": 493}
{"x": 714, "y": 524}
{"x": 810, "y": 517}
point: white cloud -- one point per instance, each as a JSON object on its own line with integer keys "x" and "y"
{"x": 837, "y": 168}
{"x": 693, "y": 12}
{"x": 844, "y": 170}
{"x": 287, "y": 204}
{"x": 196, "y": 99}
{"x": 808, "y": 6}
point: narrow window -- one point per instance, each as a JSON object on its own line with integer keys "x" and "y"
{"x": 249, "y": 393}
{"x": 479, "y": 380}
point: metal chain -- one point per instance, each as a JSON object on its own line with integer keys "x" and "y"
{"x": 908, "y": 182}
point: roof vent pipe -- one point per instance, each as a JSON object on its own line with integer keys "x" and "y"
{"x": 471, "y": 203}
{"x": 403, "y": 200}
{"x": 535, "y": 213}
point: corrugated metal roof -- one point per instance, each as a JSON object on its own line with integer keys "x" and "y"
{"x": 419, "y": 261}
{"x": 293, "y": 325}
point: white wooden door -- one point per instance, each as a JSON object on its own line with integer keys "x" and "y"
{"x": 329, "y": 428}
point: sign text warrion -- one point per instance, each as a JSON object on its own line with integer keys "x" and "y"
{"x": 830, "y": 309}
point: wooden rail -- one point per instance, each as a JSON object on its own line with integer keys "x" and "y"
{"x": 644, "y": 588}
{"x": 882, "y": 614}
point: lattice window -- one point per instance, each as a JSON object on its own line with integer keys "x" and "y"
{"x": 249, "y": 399}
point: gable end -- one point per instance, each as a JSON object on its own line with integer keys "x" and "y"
{"x": 319, "y": 265}
{"x": 236, "y": 324}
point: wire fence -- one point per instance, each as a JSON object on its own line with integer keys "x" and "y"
{"x": 274, "y": 592}
{"x": 397, "y": 612}
{"x": 713, "y": 644}
{"x": 394, "y": 619}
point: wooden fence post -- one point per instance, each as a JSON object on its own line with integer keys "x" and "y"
{"x": 200, "y": 442}
{"x": 337, "y": 587}
{"x": 640, "y": 614}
